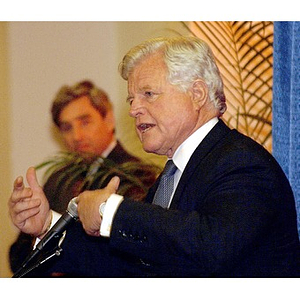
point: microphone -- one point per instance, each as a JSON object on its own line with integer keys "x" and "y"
{"x": 61, "y": 225}
{"x": 55, "y": 233}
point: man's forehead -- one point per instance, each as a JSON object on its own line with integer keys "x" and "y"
{"x": 80, "y": 108}
{"x": 145, "y": 83}
{"x": 150, "y": 62}
{"x": 147, "y": 74}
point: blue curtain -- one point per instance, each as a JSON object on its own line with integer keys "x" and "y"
{"x": 286, "y": 103}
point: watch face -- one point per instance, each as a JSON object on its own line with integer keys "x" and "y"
{"x": 102, "y": 208}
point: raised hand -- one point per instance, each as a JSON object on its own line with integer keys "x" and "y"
{"x": 88, "y": 206}
{"x": 28, "y": 206}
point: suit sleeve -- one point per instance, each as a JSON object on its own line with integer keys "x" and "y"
{"x": 219, "y": 222}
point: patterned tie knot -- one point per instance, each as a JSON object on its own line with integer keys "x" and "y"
{"x": 169, "y": 169}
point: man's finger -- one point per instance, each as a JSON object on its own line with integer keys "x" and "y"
{"x": 27, "y": 204}
{"x": 31, "y": 178}
{"x": 113, "y": 185}
{"x": 19, "y": 183}
{"x": 22, "y": 216}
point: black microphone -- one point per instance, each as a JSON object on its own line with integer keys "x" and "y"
{"x": 55, "y": 233}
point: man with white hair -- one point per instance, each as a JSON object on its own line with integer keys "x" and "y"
{"x": 225, "y": 209}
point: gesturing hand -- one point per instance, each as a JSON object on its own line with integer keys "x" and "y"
{"x": 88, "y": 206}
{"x": 28, "y": 206}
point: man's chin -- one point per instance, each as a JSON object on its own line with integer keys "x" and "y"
{"x": 85, "y": 153}
{"x": 84, "y": 150}
{"x": 151, "y": 149}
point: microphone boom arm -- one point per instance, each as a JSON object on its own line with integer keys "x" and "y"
{"x": 55, "y": 233}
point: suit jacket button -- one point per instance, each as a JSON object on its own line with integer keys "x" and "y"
{"x": 122, "y": 233}
{"x": 144, "y": 263}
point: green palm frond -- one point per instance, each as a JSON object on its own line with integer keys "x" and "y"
{"x": 244, "y": 54}
{"x": 97, "y": 169}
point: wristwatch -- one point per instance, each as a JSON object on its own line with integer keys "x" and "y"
{"x": 102, "y": 208}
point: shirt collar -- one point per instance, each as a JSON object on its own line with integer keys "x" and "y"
{"x": 184, "y": 152}
{"x": 110, "y": 147}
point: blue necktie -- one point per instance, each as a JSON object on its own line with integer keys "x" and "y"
{"x": 166, "y": 185}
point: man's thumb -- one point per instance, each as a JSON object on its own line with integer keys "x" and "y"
{"x": 31, "y": 178}
{"x": 113, "y": 185}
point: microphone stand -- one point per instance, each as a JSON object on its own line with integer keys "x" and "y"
{"x": 52, "y": 239}
{"x": 25, "y": 270}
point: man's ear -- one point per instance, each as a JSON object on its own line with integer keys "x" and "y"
{"x": 200, "y": 92}
{"x": 110, "y": 119}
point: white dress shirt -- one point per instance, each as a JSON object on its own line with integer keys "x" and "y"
{"x": 180, "y": 158}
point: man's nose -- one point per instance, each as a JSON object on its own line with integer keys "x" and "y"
{"x": 77, "y": 133}
{"x": 136, "y": 108}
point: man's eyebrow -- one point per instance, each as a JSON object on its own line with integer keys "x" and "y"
{"x": 129, "y": 98}
{"x": 80, "y": 117}
{"x": 146, "y": 87}
{"x": 141, "y": 89}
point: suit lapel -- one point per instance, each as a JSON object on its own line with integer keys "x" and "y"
{"x": 205, "y": 147}
{"x": 213, "y": 137}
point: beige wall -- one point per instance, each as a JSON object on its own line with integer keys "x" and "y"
{"x": 6, "y": 230}
{"x": 36, "y": 59}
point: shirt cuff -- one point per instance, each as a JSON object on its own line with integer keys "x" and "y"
{"x": 55, "y": 218}
{"x": 111, "y": 207}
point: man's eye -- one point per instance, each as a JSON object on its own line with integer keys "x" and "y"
{"x": 65, "y": 127}
{"x": 149, "y": 94}
{"x": 85, "y": 122}
{"x": 129, "y": 100}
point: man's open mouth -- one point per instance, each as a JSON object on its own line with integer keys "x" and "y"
{"x": 144, "y": 127}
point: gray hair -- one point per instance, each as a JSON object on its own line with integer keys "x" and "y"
{"x": 187, "y": 59}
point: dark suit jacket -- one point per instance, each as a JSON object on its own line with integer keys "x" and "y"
{"x": 232, "y": 215}
{"x": 59, "y": 197}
